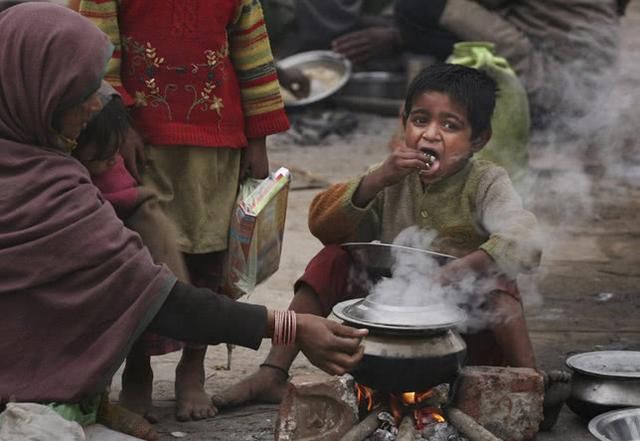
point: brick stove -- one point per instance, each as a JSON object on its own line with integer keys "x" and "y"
{"x": 490, "y": 403}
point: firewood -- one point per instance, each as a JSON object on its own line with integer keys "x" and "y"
{"x": 364, "y": 428}
{"x": 469, "y": 427}
{"x": 407, "y": 429}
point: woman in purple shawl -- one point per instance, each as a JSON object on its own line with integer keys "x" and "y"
{"x": 76, "y": 287}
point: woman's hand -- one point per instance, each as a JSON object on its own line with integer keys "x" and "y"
{"x": 332, "y": 347}
{"x": 255, "y": 162}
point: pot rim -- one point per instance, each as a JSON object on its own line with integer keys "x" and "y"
{"x": 595, "y": 364}
{"x": 355, "y": 246}
{"x": 341, "y": 310}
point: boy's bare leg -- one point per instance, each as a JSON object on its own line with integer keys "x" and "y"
{"x": 268, "y": 384}
{"x": 137, "y": 384}
{"x": 511, "y": 333}
{"x": 192, "y": 402}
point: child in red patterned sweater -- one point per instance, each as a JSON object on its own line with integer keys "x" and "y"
{"x": 204, "y": 108}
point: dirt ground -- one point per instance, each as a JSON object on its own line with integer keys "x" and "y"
{"x": 587, "y": 197}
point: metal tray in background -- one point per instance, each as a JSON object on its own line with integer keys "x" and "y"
{"x": 318, "y": 59}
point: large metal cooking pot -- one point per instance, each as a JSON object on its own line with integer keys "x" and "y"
{"x": 603, "y": 381}
{"x": 408, "y": 349}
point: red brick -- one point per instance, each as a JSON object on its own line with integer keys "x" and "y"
{"x": 317, "y": 407}
{"x": 506, "y": 401}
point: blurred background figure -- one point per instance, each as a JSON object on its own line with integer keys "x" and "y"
{"x": 562, "y": 50}
{"x": 361, "y": 30}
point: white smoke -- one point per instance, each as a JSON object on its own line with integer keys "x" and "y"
{"x": 581, "y": 165}
{"x": 415, "y": 282}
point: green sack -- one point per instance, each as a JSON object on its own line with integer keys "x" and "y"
{"x": 84, "y": 413}
{"x": 510, "y": 122}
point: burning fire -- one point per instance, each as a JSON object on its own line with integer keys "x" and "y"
{"x": 365, "y": 395}
{"x": 416, "y": 397}
{"x": 426, "y": 416}
{"x": 402, "y": 404}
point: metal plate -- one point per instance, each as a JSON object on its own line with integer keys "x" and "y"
{"x": 379, "y": 258}
{"x": 619, "y": 364}
{"x": 365, "y": 312}
{"x": 618, "y": 425}
{"x": 332, "y": 71}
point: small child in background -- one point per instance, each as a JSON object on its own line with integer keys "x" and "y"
{"x": 98, "y": 150}
{"x": 432, "y": 182}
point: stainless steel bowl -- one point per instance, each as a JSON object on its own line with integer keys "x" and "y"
{"x": 328, "y": 72}
{"x": 618, "y": 425}
{"x": 379, "y": 258}
{"x": 603, "y": 381}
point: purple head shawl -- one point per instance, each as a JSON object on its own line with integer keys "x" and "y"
{"x": 76, "y": 287}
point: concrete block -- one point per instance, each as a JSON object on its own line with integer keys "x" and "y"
{"x": 506, "y": 401}
{"x": 317, "y": 408}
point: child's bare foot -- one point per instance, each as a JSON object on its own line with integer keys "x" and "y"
{"x": 192, "y": 402}
{"x": 137, "y": 386}
{"x": 267, "y": 385}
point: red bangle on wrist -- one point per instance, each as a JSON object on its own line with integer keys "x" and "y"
{"x": 284, "y": 330}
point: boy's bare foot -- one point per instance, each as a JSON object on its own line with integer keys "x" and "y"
{"x": 192, "y": 402}
{"x": 267, "y": 385}
{"x": 137, "y": 386}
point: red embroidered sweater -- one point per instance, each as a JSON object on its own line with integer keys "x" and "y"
{"x": 198, "y": 72}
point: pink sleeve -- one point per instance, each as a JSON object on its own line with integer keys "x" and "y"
{"x": 118, "y": 187}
